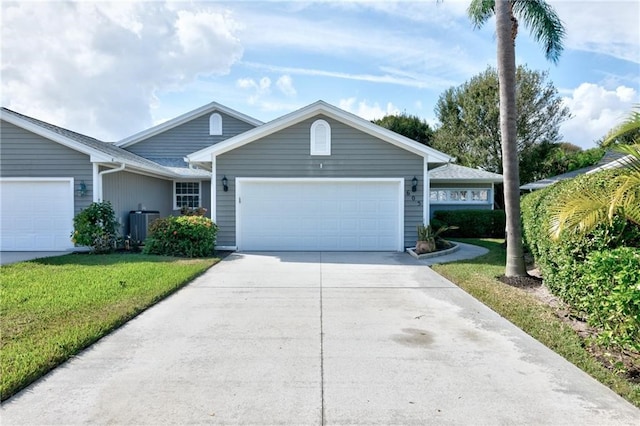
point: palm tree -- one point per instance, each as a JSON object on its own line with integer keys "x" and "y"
{"x": 581, "y": 212}
{"x": 546, "y": 27}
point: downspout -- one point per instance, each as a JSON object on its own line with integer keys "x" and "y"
{"x": 104, "y": 172}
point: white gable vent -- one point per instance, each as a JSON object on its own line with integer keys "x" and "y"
{"x": 320, "y": 138}
{"x": 215, "y": 124}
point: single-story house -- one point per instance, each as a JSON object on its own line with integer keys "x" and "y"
{"x": 611, "y": 159}
{"x": 318, "y": 178}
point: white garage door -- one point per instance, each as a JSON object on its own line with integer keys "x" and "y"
{"x": 319, "y": 214}
{"x": 36, "y": 214}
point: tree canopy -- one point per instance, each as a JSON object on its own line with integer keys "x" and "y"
{"x": 469, "y": 117}
{"x": 410, "y": 126}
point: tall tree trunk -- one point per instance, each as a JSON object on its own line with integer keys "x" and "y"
{"x": 506, "y": 28}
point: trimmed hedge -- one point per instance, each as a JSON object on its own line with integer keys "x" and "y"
{"x": 580, "y": 268}
{"x": 184, "y": 236}
{"x": 471, "y": 223}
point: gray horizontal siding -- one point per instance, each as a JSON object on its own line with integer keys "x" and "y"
{"x": 286, "y": 154}
{"x": 129, "y": 191}
{"x": 188, "y": 138}
{"x": 25, "y": 154}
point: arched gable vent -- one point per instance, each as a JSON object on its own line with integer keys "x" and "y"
{"x": 215, "y": 124}
{"x": 320, "y": 138}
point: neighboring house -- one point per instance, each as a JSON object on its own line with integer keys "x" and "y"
{"x": 611, "y": 159}
{"x": 318, "y": 178}
{"x": 455, "y": 187}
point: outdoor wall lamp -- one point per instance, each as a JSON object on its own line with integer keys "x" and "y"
{"x": 82, "y": 189}
{"x": 225, "y": 183}
{"x": 414, "y": 184}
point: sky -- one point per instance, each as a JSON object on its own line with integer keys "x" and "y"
{"x": 111, "y": 69}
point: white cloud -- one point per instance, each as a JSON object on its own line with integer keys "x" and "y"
{"x": 260, "y": 88}
{"x": 595, "y": 111}
{"x": 606, "y": 27}
{"x": 368, "y": 111}
{"x": 285, "y": 84}
{"x": 97, "y": 67}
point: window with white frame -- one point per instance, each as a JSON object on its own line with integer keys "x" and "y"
{"x": 320, "y": 138}
{"x": 215, "y": 124}
{"x": 460, "y": 196}
{"x": 186, "y": 194}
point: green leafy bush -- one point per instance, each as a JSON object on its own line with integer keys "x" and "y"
{"x": 471, "y": 223}
{"x": 609, "y": 294}
{"x": 95, "y": 227}
{"x": 186, "y": 236}
{"x": 567, "y": 264}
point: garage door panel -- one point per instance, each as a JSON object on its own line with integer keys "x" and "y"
{"x": 36, "y": 214}
{"x": 282, "y": 214}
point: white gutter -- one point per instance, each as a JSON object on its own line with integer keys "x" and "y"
{"x": 104, "y": 172}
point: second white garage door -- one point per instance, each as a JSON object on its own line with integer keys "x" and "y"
{"x": 36, "y": 214}
{"x": 319, "y": 214}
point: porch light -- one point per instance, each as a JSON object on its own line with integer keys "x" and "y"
{"x": 82, "y": 189}
{"x": 225, "y": 183}
{"x": 414, "y": 184}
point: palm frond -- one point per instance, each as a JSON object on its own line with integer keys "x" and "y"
{"x": 580, "y": 212}
{"x": 480, "y": 11}
{"x": 631, "y": 124}
{"x": 544, "y": 24}
{"x": 630, "y": 163}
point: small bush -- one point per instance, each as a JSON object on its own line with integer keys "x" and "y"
{"x": 95, "y": 227}
{"x": 471, "y": 223}
{"x": 608, "y": 292}
{"x": 185, "y": 236}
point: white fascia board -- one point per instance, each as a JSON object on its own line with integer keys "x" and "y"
{"x": 162, "y": 127}
{"x": 320, "y": 107}
{"x": 52, "y": 136}
{"x": 616, "y": 164}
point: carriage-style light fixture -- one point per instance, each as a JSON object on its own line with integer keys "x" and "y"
{"x": 225, "y": 183}
{"x": 414, "y": 184}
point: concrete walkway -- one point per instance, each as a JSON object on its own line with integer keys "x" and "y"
{"x": 313, "y": 339}
{"x": 8, "y": 257}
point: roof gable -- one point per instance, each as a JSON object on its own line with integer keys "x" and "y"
{"x": 170, "y": 124}
{"x": 98, "y": 151}
{"x": 317, "y": 108}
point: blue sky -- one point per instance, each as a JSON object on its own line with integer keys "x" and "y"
{"x": 111, "y": 69}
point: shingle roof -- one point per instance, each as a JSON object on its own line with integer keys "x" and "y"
{"x": 116, "y": 154}
{"x": 181, "y": 167}
{"x": 608, "y": 158}
{"x": 454, "y": 172}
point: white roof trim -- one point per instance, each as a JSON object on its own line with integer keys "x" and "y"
{"x": 96, "y": 156}
{"x": 170, "y": 124}
{"x": 319, "y": 107}
{"x": 615, "y": 164}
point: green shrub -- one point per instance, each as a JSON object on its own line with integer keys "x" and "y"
{"x": 185, "y": 236}
{"x": 95, "y": 227}
{"x": 609, "y": 294}
{"x": 567, "y": 264}
{"x": 471, "y": 223}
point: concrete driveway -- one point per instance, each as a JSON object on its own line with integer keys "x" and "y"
{"x": 318, "y": 338}
{"x": 8, "y": 257}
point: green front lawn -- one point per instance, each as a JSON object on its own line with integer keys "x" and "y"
{"x": 478, "y": 278}
{"x": 50, "y": 309}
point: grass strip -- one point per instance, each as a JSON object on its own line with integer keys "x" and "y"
{"x": 478, "y": 278}
{"x": 52, "y": 308}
